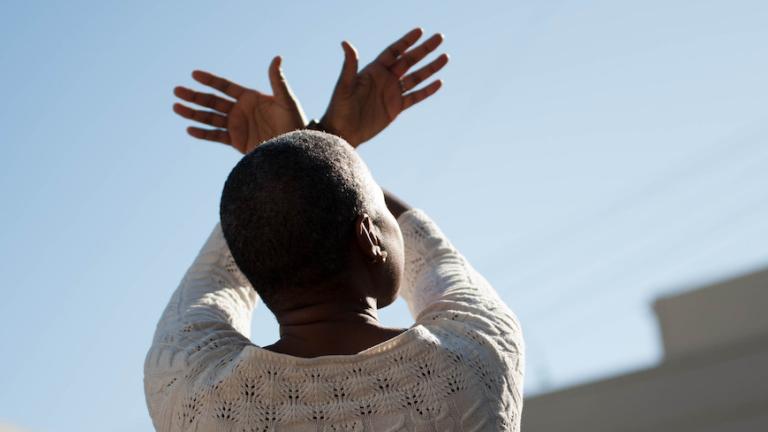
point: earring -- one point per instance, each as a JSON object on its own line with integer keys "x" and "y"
{"x": 379, "y": 255}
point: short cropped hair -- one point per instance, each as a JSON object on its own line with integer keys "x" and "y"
{"x": 288, "y": 210}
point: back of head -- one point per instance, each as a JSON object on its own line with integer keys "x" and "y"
{"x": 288, "y": 209}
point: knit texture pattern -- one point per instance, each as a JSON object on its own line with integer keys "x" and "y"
{"x": 458, "y": 368}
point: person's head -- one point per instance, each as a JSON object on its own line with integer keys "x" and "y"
{"x": 306, "y": 223}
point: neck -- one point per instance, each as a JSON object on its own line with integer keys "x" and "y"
{"x": 328, "y": 328}
{"x": 328, "y": 313}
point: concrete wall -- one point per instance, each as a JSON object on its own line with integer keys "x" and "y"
{"x": 714, "y": 377}
{"x": 715, "y": 315}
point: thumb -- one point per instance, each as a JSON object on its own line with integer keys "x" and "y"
{"x": 349, "y": 69}
{"x": 280, "y": 87}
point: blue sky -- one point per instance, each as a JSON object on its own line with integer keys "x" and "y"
{"x": 587, "y": 157}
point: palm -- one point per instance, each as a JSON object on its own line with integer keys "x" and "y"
{"x": 365, "y": 103}
{"x": 256, "y": 117}
{"x": 252, "y": 118}
{"x": 376, "y": 100}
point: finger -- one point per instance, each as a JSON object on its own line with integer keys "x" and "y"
{"x": 204, "y": 99}
{"x": 412, "y": 80}
{"x": 392, "y": 52}
{"x": 217, "y": 135}
{"x": 417, "y": 96}
{"x": 349, "y": 68}
{"x": 223, "y": 85}
{"x": 410, "y": 58}
{"x": 207, "y": 117}
{"x": 280, "y": 87}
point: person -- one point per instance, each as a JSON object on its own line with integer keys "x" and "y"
{"x": 305, "y": 228}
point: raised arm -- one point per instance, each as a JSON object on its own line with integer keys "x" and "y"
{"x": 204, "y": 328}
{"x": 395, "y": 205}
{"x": 449, "y": 297}
{"x": 441, "y": 288}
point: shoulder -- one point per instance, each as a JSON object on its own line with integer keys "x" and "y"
{"x": 488, "y": 343}
{"x": 491, "y": 336}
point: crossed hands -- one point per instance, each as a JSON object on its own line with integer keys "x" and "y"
{"x": 363, "y": 102}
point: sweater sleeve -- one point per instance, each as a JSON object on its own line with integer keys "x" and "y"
{"x": 438, "y": 279}
{"x": 204, "y": 327}
{"x": 447, "y": 295}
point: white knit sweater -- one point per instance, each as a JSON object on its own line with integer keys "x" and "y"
{"x": 458, "y": 368}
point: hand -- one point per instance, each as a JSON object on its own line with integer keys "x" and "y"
{"x": 252, "y": 118}
{"x": 364, "y": 103}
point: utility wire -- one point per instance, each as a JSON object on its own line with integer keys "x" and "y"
{"x": 614, "y": 280}
{"x": 758, "y": 167}
{"x": 724, "y": 152}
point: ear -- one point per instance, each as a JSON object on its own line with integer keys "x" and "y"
{"x": 367, "y": 240}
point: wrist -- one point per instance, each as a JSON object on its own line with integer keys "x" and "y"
{"x": 315, "y": 125}
{"x": 325, "y": 125}
{"x": 329, "y": 127}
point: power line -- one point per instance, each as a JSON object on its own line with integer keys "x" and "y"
{"x": 720, "y": 225}
{"x": 757, "y": 166}
{"x": 723, "y": 153}
{"x": 557, "y": 310}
